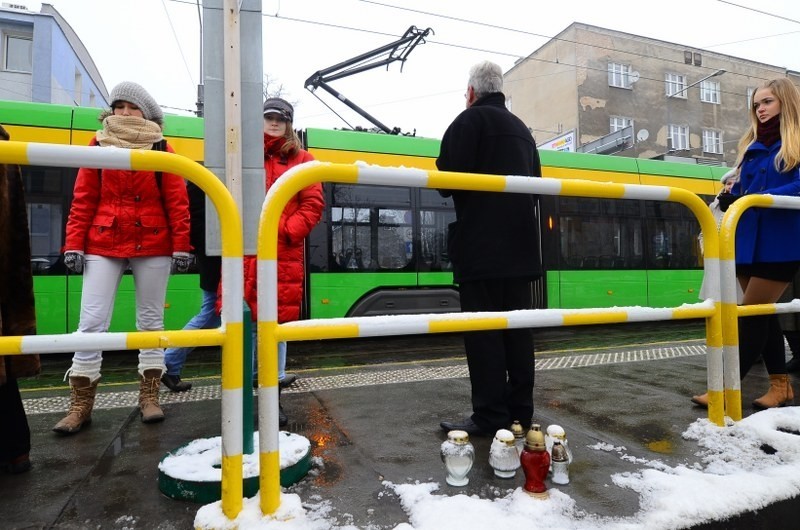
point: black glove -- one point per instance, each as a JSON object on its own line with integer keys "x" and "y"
{"x": 180, "y": 262}
{"x": 725, "y": 200}
{"x": 74, "y": 261}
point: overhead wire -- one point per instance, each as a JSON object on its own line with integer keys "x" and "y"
{"x": 495, "y": 52}
{"x": 178, "y": 42}
{"x": 277, "y": 16}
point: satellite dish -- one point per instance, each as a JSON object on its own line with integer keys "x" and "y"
{"x": 642, "y": 135}
{"x": 634, "y": 76}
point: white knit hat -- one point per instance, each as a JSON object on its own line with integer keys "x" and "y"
{"x": 136, "y": 94}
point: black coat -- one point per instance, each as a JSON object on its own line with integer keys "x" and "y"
{"x": 495, "y": 235}
{"x": 209, "y": 267}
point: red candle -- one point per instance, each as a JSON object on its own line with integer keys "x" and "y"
{"x": 535, "y": 462}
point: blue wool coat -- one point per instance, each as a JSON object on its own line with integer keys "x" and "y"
{"x": 767, "y": 235}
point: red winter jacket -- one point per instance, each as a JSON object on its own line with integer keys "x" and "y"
{"x": 125, "y": 215}
{"x": 302, "y": 213}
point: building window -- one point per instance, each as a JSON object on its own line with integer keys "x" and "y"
{"x": 19, "y": 53}
{"x": 675, "y": 85}
{"x": 617, "y": 123}
{"x": 678, "y": 138}
{"x": 712, "y": 141}
{"x": 78, "y": 87}
{"x": 619, "y": 75}
{"x": 710, "y": 92}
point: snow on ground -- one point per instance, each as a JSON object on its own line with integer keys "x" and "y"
{"x": 744, "y": 466}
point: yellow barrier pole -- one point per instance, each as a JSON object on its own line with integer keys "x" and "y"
{"x": 27, "y": 153}
{"x": 730, "y": 309}
{"x": 514, "y": 184}
{"x": 232, "y": 280}
{"x": 277, "y": 197}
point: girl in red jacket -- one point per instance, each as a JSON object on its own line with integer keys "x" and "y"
{"x": 120, "y": 219}
{"x": 281, "y": 152}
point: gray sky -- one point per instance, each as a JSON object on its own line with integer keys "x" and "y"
{"x": 156, "y": 43}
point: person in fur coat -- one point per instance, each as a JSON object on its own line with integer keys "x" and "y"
{"x": 17, "y": 317}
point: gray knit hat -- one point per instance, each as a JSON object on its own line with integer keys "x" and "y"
{"x": 133, "y": 93}
{"x": 279, "y": 106}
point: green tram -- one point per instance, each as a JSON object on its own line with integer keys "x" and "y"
{"x": 382, "y": 249}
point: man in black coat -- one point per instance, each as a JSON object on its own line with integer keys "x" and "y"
{"x": 494, "y": 249}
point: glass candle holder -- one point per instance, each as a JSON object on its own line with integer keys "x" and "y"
{"x": 458, "y": 455}
{"x": 503, "y": 456}
{"x": 560, "y": 463}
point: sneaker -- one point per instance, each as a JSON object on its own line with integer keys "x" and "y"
{"x": 174, "y": 383}
{"x": 287, "y": 381}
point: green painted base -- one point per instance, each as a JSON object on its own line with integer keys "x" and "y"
{"x": 206, "y": 492}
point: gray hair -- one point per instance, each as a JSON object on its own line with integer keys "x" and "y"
{"x": 486, "y": 77}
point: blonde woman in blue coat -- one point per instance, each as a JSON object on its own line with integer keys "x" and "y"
{"x": 767, "y": 254}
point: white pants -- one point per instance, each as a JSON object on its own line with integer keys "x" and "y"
{"x": 101, "y": 278}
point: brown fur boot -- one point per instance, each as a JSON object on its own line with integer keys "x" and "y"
{"x": 701, "y": 400}
{"x": 780, "y": 393}
{"x": 148, "y": 396}
{"x": 82, "y": 394}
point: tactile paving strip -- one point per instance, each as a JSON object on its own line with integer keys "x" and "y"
{"x": 368, "y": 377}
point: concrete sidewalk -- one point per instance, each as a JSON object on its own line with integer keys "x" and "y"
{"x": 369, "y": 425}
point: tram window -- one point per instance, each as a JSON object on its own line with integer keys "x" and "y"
{"x": 362, "y": 195}
{"x": 433, "y": 238}
{"x": 429, "y": 198}
{"x": 671, "y": 236}
{"x": 672, "y": 244}
{"x": 45, "y": 221}
{"x": 607, "y": 241}
{"x": 585, "y": 206}
{"x": 48, "y": 194}
{"x": 47, "y": 180}
{"x": 371, "y": 238}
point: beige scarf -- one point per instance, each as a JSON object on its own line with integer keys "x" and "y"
{"x": 129, "y": 132}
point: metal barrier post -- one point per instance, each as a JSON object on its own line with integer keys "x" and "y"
{"x": 299, "y": 177}
{"x": 247, "y": 394}
{"x": 228, "y": 336}
{"x": 731, "y": 311}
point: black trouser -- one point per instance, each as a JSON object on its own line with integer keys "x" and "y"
{"x": 501, "y": 363}
{"x": 761, "y": 336}
{"x": 16, "y": 438}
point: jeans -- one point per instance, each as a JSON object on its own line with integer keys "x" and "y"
{"x": 207, "y": 318}
{"x": 281, "y": 357}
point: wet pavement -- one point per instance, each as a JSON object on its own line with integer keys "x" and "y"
{"x": 373, "y": 423}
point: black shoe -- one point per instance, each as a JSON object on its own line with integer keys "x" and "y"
{"x": 283, "y": 419}
{"x": 793, "y": 365}
{"x": 287, "y": 381}
{"x": 174, "y": 383}
{"x": 15, "y": 466}
{"x": 467, "y": 425}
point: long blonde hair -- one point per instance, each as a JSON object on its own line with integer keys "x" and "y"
{"x": 787, "y": 93}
